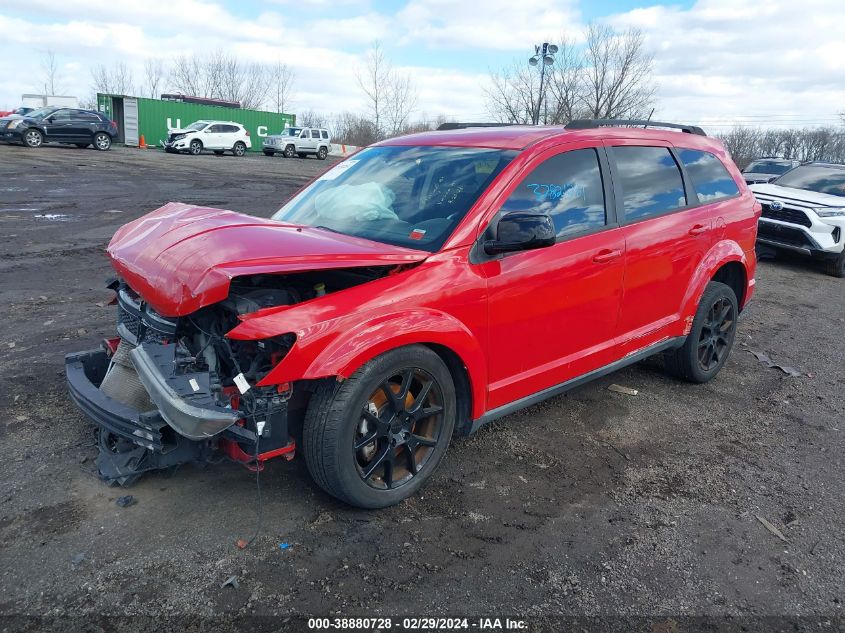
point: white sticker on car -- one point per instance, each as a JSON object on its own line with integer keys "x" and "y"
{"x": 337, "y": 170}
{"x": 194, "y": 384}
{"x": 241, "y": 383}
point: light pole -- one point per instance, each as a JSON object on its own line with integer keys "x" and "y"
{"x": 543, "y": 56}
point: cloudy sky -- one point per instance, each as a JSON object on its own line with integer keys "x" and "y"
{"x": 717, "y": 62}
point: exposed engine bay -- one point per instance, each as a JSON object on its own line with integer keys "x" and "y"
{"x": 191, "y": 394}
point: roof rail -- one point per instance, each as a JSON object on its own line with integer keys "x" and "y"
{"x": 586, "y": 124}
{"x": 462, "y": 126}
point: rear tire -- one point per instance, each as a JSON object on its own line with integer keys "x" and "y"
{"x": 195, "y": 147}
{"x": 239, "y": 149}
{"x": 836, "y": 267}
{"x": 711, "y": 336}
{"x": 102, "y": 141}
{"x": 376, "y": 438}
{"x": 322, "y": 153}
{"x": 32, "y": 138}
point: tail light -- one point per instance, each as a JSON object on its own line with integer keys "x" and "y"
{"x": 247, "y": 132}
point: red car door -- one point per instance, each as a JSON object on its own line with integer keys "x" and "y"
{"x": 667, "y": 234}
{"x": 553, "y": 311}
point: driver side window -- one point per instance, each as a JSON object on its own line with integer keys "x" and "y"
{"x": 569, "y": 188}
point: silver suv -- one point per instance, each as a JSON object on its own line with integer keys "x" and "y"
{"x": 299, "y": 141}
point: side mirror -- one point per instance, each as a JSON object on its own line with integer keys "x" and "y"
{"x": 522, "y": 231}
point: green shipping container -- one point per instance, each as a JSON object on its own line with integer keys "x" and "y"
{"x": 151, "y": 118}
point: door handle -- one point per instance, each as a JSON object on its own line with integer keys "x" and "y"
{"x": 698, "y": 229}
{"x": 606, "y": 255}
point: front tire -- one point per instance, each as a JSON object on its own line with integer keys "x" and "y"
{"x": 711, "y": 336}
{"x": 836, "y": 267}
{"x": 239, "y": 149}
{"x": 102, "y": 141}
{"x": 376, "y": 438}
{"x": 290, "y": 151}
{"x": 33, "y": 138}
{"x": 195, "y": 147}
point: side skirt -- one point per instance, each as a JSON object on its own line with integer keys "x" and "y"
{"x": 551, "y": 392}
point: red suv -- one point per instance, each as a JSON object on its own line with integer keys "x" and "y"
{"x": 421, "y": 288}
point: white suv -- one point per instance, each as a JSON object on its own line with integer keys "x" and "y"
{"x": 299, "y": 141}
{"x": 804, "y": 211}
{"x": 218, "y": 136}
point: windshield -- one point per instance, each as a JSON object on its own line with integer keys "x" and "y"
{"x": 768, "y": 167}
{"x": 40, "y": 113}
{"x": 406, "y": 196}
{"x": 197, "y": 126}
{"x": 818, "y": 178}
{"x": 291, "y": 131}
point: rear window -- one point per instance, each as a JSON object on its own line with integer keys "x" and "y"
{"x": 710, "y": 178}
{"x": 651, "y": 181}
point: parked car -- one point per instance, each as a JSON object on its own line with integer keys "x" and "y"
{"x": 426, "y": 286}
{"x": 218, "y": 136}
{"x": 767, "y": 169}
{"x": 804, "y": 211}
{"x": 17, "y": 111}
{"x": 52, "y": 124}
{"x": 297, "y": 141}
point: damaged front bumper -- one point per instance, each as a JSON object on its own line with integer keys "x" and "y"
{"x": 184, "y": 427}
{"x": 185, "y": 400}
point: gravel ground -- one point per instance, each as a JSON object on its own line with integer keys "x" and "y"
{"x": 594, "y": 504}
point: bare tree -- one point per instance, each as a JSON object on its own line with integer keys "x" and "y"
{"x": 512, "y": 94}
{"x": 281, "y": 85}
{"x": 220, "y": 76}
{"x": 391, "y": 95}
{"x": 50, "y": 69}
{"x": 618, "y": 76}
{"x": 310, "y": 118}
{"x": 609, "y": 77}
{"x": 114, "y": 79}
{"x": 154, "y": 74}
{"x": 823, "y": 144}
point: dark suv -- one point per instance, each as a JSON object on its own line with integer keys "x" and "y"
{"x": 52, "y": 124}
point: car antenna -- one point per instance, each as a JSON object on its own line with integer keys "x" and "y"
{"x": 645, "y": 125}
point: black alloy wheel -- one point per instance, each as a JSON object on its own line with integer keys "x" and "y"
{"x": 400, "y": 425}
{"x": 711, "y": 336}
{"x": 716, "y": 336}
{"x": 375, "y": 438}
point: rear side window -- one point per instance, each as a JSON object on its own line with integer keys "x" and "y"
{"x": 324, "y": 134}
{"x": 710, "y": 178}
{"x": 232, "y": 129}
{"x": 568, "y": 187}
{"x": 315, "y": 133}
{"x": 651, "y": 181}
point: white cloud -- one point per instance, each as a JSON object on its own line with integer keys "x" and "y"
{"x": 716, "y": 62}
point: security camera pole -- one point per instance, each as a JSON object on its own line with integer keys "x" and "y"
{"x": 544, "y": 53}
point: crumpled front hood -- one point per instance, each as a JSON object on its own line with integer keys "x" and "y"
{"x": 180, "y": 257}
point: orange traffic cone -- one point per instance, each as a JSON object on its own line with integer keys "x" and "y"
{"x": 142, "y": 144}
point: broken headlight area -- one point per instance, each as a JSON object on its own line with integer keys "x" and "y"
{"x": 176, "y": 390}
